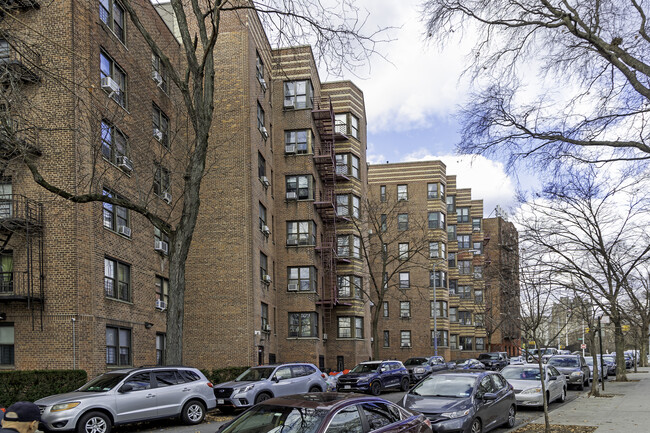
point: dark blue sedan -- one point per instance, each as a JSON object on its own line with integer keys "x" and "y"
{"x": 464, "y": 401}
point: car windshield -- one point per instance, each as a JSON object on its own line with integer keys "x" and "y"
{"x": 437, "y": 361}
{"x": 255, "y": 374}
{"x": 609, "y": 358}
{"x": 416, "y": 361}
{"x": 277, "y": 419}
{"x": 446, "y": 386}
{"x": 563, "y": 362}
{"x": 366, "y": 368}
{"x": 103, "y": 383}
{"x": 488, "y": 356}
{"x": 521, "y": 373}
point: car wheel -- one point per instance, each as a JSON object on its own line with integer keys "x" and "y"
{"x": 404, "y": 385}
{"x": 563, "y": 395}
{"x": 261, "y": 397}
{"x": 94, "y": 422}
{"x": 193, "y": 412}
{"x": 375, "y": 388}
{"x": 512, "y": 414}
{"x": 315, "y": 389}
{"x": 476, "y": 426}
{"x": 581, "y": 387}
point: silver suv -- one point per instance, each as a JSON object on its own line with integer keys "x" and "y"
{"x": 127, "y": 396}
{"x": 265, "y": 381}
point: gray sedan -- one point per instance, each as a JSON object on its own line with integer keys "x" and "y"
{"x": 527, "y": 383}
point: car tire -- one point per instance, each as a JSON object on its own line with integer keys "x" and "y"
{"x": 562, "y": 398}
{"x": 476, "y": 426}
{"x": 315, "y": 389}
{"x": 512, "y": 415}
{"x": 261, "y": 397}
{"x": 375, "y": 388}
{"x": 581, "y": 387}
{"x": 404, "y": 384}
{"x": 193, "y": 412}
{"x": 94, "y": 422}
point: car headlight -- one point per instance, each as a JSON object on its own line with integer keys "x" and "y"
{"x": 532, "y": 391}
{"x": 244, "y": 389}
{"x": 65, "y": 406}
{"x": 456, "y": 414}
{"x": 576, "y": 374}
{"x": 419, "y": 370}
{"x": 362, "y": 380}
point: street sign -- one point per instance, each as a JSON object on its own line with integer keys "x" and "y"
{"x": 625, "y": 328}
{"x": 579, "y": 338}
{"x": 587, "y": 330}
{"x": 583, "y": 346}
{"x": 532, "y": 343}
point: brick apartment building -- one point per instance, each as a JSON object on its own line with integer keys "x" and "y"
{"x": 275, "y": 271}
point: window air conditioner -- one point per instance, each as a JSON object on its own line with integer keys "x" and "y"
{"x": 124, "y": 230}
{"x": 324, "y": 337}
{"x": 406, "y": 345}
{"x": 265, "y": 181}
{"x": 263, "y": 83}
{"x": 292, "y": 287}
{"x": 264, "y": 132}
{"x": 292, "y": 241}
{"x": 405, "y": 315}
{"x": 161, "y": 305}
{"x": 161, "y": 247}
{"x": 167, "y": 197}
{"x": 290, "y": 148}
{"x": 157, "y": 133}
{"x": 267, "y": 279}
{"x": 266, "y": 230}
{"x": 292, "y": 196}
{"x": 155, "y": 75}
{"x": 266, "y": 328}
{"x": 124, "y": 163}
{"x": 110, "y": 85}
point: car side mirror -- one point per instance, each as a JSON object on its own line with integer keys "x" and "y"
{"x": 126, "y": 388}
{"x": 489, "y": 396}
{"x": 275, "y": 379}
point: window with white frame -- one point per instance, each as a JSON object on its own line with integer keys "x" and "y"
{"x": 112, "y": 14}
{"x": 348, "y": 205}
{"x": 382, "y": 193}
{"x": 436, "y": 220}
{"x": 451, "y": 260}
{"x": 347, "y": 164}
{"x": 478, "y": 272}
{"x": 298, "y": 94}
{"x": 160, "y": 126}
{"x": 109, "y": 69}
{"x": 476, "y": 224}
{"x": 402, "y": 221}
{"x": 403, "y": 250}
{"x": 300, "y": 187}
{"x": 301, "y": 233}
{"x": 385, "y": 308}
{"x": 347, "y": 124}
{"x": 159, "y": 70}
{"x": 451, "y": 204}
{"x": 114, "y": 216}
{"x": 302, "y": 278}
{"x": 405, "y": 309}
{"x": 299, "y": 141}
{"x": 117, "y": 280}
{"x": 7, "y": 342}
{"x": 161, "y": 348}
{"x": 465, "y": 343}
{"x": 118, "y": 345}
{"x": 349, "y": 286}
{"x": 404, "y": 280}
{"x": 303, "y": 325}
{"x": 405, "y": 338}
{"x": 386, "y": 338}
{"x": 438, "y": 279}
{"x": 477, "y": 247}
{"x": 349, "y": 246}
{"x": 402, "y": 192}
{"x": 114, "y": 142}
{"x": 434, "y": 250}
{"x": 480, "y": 343}
{"x": 162, "y": 291}
{"x": 350, "y": 327}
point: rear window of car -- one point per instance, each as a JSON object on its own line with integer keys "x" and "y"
{"x": 299, "y": 371}
{"x": 189, "y": 375}
{"x": 168, "y": 378}
{"x": 380, "y": 415}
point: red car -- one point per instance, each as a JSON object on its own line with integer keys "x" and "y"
{"x": 327, "y": 412}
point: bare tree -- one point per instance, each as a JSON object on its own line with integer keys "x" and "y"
{"x": 593, "y": 92}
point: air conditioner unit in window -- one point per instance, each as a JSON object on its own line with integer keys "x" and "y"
{"x": 292, "y": 196}
{"x": 266, "y": 279}
{"x": 265, "y": 181}
{"x": 110, "y": 85}
{"x": 124, "y": 230}
{"x": 290, "y": 148}
{"x": 167, "y": 197}
{"x": 266, "y": 328}
{"x": 161, "y": 247}
{"x": 155, "y": 75}
{"x": 158, "y": 135}
{"x": 292, "y": 241}
{"x": 266, "y": 230}
{"x": 124, "y": 163}
{"x": 264, "y": 132}
{"x": 263, "y": 83}
{"x": 405, "y": 315}
{"x": 292, "y": 287}
{"x": 324, "y": 337}
{"x": 406, "y": 345}
{"x": 161, "y": 305}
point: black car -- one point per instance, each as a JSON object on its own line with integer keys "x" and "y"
{"x": 467, "y": 364}
{"x": 421, "y": 367}
{"x": 496, "y": 361}
{"x": 374, "y": 377}
{"x": 464, "y": 401}
{"x": 327, "y": 411}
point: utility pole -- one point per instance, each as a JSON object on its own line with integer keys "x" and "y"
{"x": 602, "y": 364}
{"x": 583, "y": 337}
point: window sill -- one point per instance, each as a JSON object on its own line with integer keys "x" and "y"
{"x": 298, "y": 246}
{"x": 122, "y": 301}
{"x": 117, "y": 367}
{"x": 127, "y": 173}
{"x": 7, "y": 367}
{"x": 349, "y": 339}
{"x": 298, "y": 153}
{"x": 303, "y": 338}
{"x": 306, "y": 292}
{"x": 120, "y": 235}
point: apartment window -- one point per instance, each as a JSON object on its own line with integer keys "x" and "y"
{"x": 453, "y": 287}
{"x": 463, "y": 214}
{"x": 451, "y": 261}
{"x": 480, "y": 343}
{"x": 453, "y": 314}
{"x": 260, "y": 117}
{"x": 402, "y": 192}
{"x": 302, "y": 278}
{"x": 350, "y": 327}
{"x": 451, "y": 204}
{"x": 300, "y": 187}
{"x": 477, "y": 247}
{"x": 298, "y": 94}
{"x": 159, "y": 72}
{"x": 259, "y": 67}
{"x": 464, "y": 292}
{"x": 432, "y": 191}
{"x": 347, "y": 165}
{"x": 404, "y": 280}
{"x": 402, "y": 221}
{"x": 476, "y": 224}
{"x": 453, "y": 342}
{"x": 118, "y": 346}
{"x": 112, "y": 14}
{"x": 303, "y": 324}
{"x": 349, "y": 286}
{"x": 343, "y": 205}
{"x": 434, "y": 250}
{"x": 464, "y": 267}
{"x": 347, "y": 124}
{"x": 463, "y": 242}
{"x": 117, "y": 280}
{"x": 301, "y": 233}
{"x": 385, "y": 308}
{"x": 451, "y": 233}
{"x": 465, "y": 317}
{"x": 443, "y": 338}
{"x": 298, "y": 141}
{"x": 162, "y": 290}
{"x": 262, "y": 217}
{"x": 109, "y": 69}
{"x": 160, "y": 126}
{"x": 403, "y": 251}
{"x": 161, "y": 180}
{"x": 161, "y": 348}
{"x": 114, "y": 143}
{"x": 478, "y": 320}
{"x": 159, "y": 236}
{"x": 382, "y": 193}
{"x": 261, "y": 166}
{"x": 384, "y": 222}
{"x": 441, "y": 308}
{"x": 405, "y": 309}
{"x": 343, "y": 246}
{"x": 7, "y": 344}
{"x": 264, "y": 266}
{"x": 264, "y": 315}
{"x": 478, "y": 296}
{"x": 114, "y": 216}
{"x": 443, "y": 250}
{"x": 438, "y": 279}
{"x": 465, "y": 343}
{"x": 478, "y": 272}
{"x": 405, "y": 338}
{"x": 436, "y": 220}
{"x": 386, "y": 338}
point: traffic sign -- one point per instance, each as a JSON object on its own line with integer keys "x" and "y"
{"x": 587, "y": 330}
{"x": 583, "y": 346}
{"x": 625, "y": 328}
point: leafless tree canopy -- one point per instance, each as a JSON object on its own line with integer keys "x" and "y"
{"x": 592, "y": 63}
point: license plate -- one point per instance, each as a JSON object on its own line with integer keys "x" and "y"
{"x": 220, "y": 401}
{"x": 346, "y": 387}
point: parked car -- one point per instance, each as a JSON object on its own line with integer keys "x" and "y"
{"x": 468, "y": 364}
{"x": 267, "y": 381}
{"x": 610, "y": 362}
{"x": 467, "y": 401}
{"x": 527, "y": 383}
{"x": 590, "y": 364}
{"x": 421, "y": 367}
{"x": 532, "y": 354}
{"x": 331, "y": 412}
{"x": 374, "y": 377}
{"x": 517, "y": 360}
{"x": 125, "y": 396}
{"x": 574, "y": 368}
{"x": 564, "y": 352}
{"x": 494, "y": 360}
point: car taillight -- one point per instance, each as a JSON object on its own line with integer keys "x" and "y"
{"x": 323, "y": 375}
{"x": 210, "y": 384}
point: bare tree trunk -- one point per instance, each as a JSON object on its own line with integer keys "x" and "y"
{"x": 547, "y": 421}
{"x": 619, "y": 345}
{"x": 591, "y": 336}
{"x": 375, "y": 331}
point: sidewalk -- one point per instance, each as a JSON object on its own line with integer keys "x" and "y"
{"x": 627, "y": 411}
